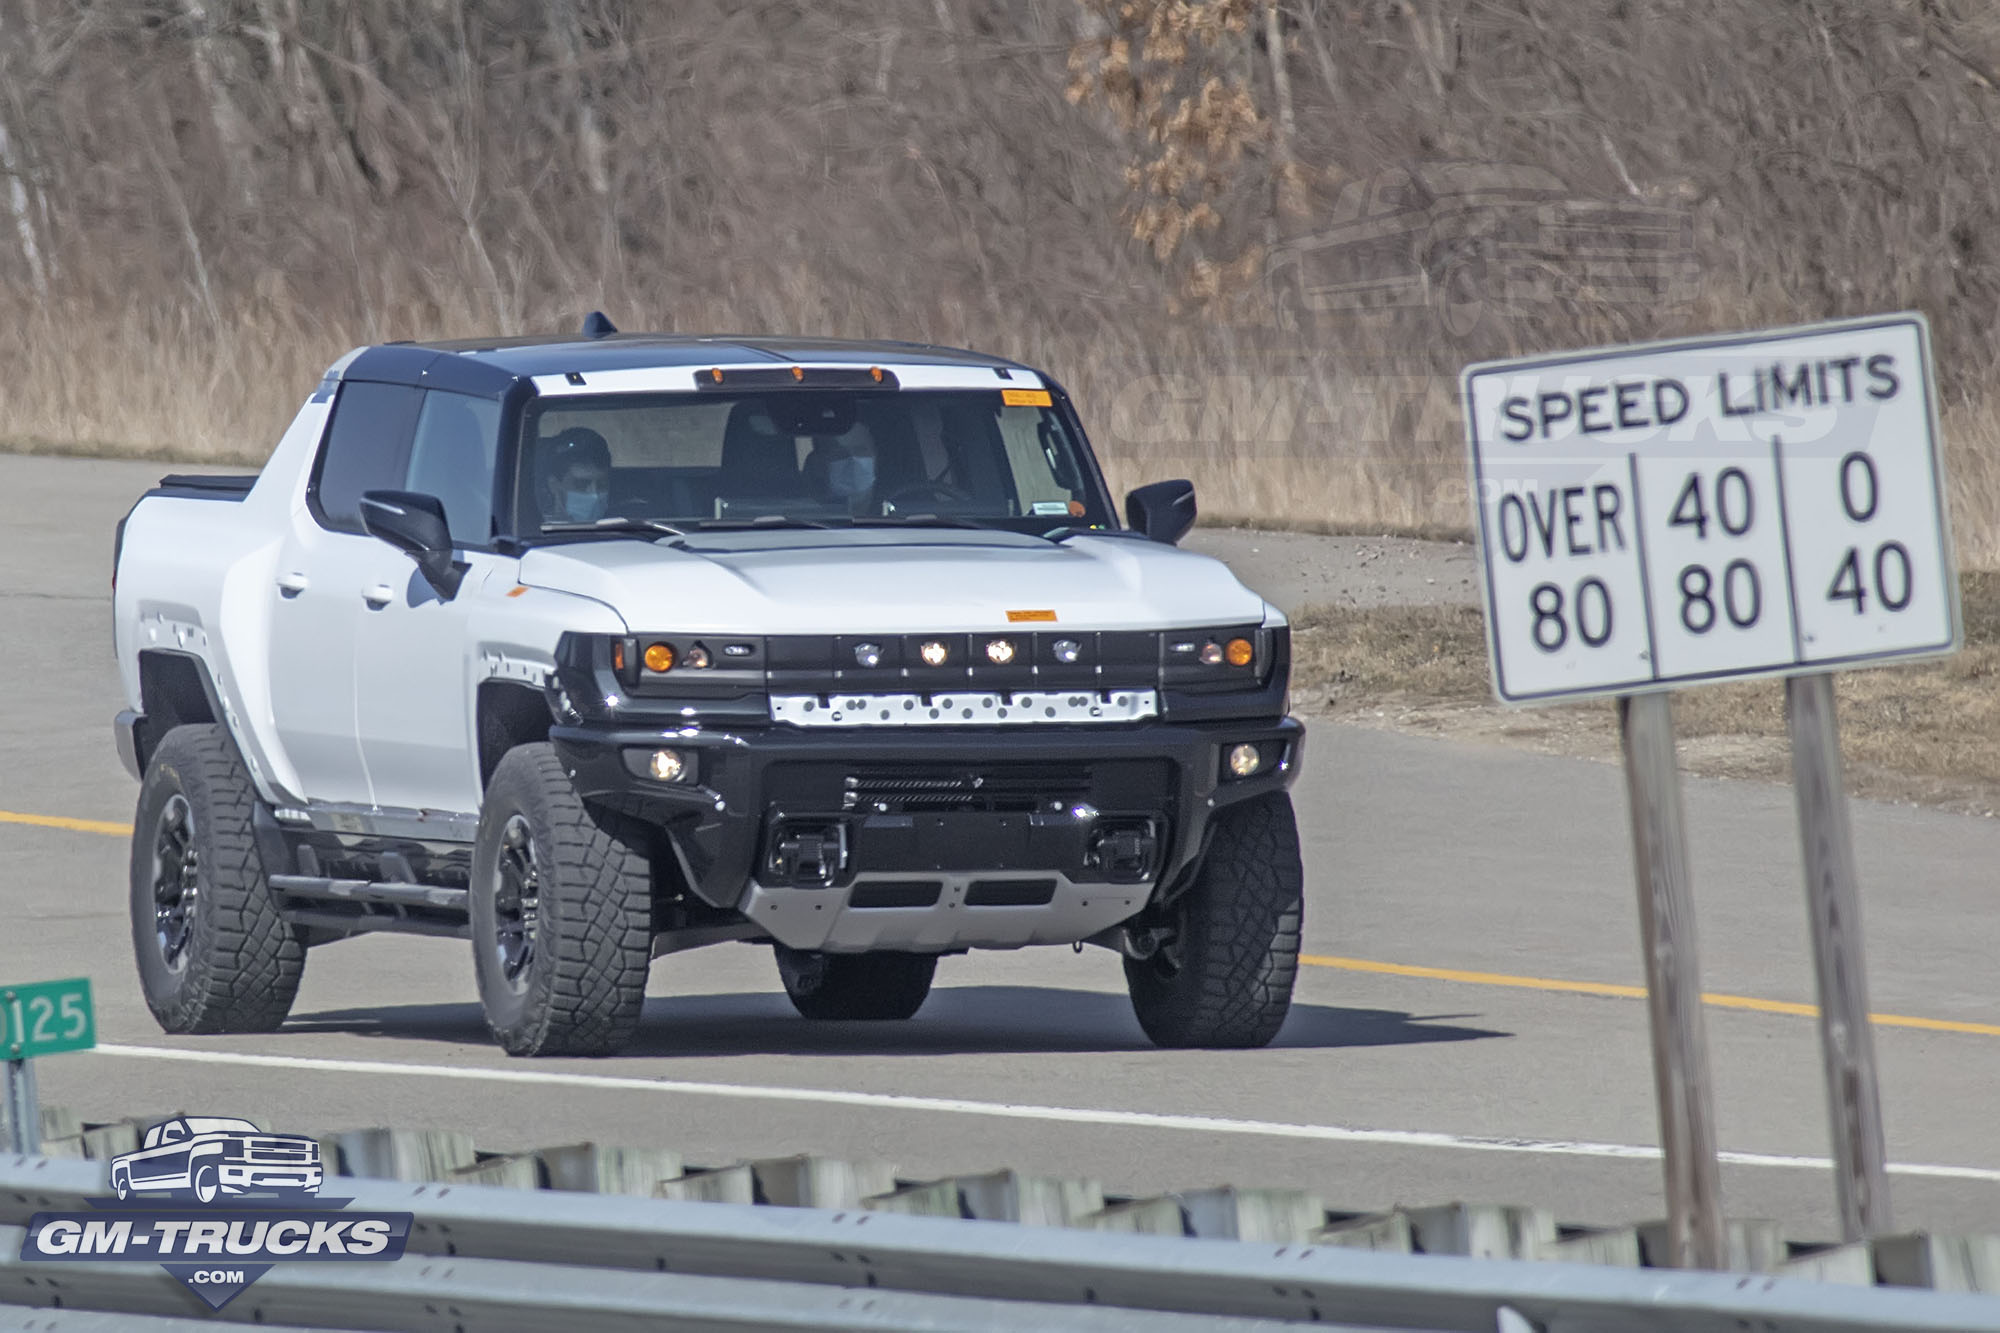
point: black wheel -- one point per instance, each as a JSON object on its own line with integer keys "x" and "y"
{"x": 121, "y": 1182}
{"x": 214, "y": 954}
{"x": 1222, "y": 974}
{"x": 562, "y": 913}
{"x": 856, "y": 985}
{"x": 207, "y": 1184}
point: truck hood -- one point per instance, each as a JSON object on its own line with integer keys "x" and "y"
{"x": 875, "y": 581}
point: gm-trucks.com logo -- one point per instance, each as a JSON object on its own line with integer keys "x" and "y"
{"x": 246, "y": 1200}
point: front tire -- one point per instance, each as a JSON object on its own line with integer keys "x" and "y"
{"x": 872, "y": 986}
{"x": 214, "y": 954}
{"x": 1222, "y": 977}
{"x": 207, "y": 1184}
{"x": 561, "y": 910}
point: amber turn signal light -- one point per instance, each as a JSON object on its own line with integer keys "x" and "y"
{"x": 1240, "y": 652}
{"x": 659, "y": 657}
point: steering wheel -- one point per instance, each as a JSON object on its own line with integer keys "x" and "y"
{"x": 926, "y": 489}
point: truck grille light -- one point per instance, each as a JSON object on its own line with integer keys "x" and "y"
{"x": 933, "y": 653}
{"x": 999, "y": 652}
{"x": 868, "y": 654}
{"x": 1067, "y": 650}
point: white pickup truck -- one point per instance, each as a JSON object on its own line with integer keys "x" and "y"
{"x": 590, "y": 649}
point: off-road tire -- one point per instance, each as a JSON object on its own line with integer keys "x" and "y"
{"x": 856, "y": 985}
{"x": 1224, "y": 978}
{"x": 580, "y": 989}
{"x": 239, "y": 963}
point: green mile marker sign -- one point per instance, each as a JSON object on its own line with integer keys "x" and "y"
{"x": 46, "y": 1018}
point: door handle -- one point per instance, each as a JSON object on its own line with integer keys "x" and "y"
{"x": 379, "y": 595}
{"x": 293, "y": 583}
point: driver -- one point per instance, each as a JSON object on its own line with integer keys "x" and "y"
{"x": 576, "y": 477}
{"x": 840, "y": 470}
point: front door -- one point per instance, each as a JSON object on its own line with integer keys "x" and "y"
{"x": 417, "y": 668}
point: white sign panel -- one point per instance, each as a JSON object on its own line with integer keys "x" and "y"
{"x": 1660, "y": 515}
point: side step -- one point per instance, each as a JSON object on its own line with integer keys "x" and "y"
{"x": 356, "y": 906}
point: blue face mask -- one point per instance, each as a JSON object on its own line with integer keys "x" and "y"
{"x": 584, "y": 506}
{"x": 849, "y": 477}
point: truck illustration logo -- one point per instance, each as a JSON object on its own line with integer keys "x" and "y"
{"x": 1475, "y": 243}
{"x": 188, "y": 1200}
{"x": 207, "y": 1157}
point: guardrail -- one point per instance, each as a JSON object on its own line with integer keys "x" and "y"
{"x": 485, "y": 1258}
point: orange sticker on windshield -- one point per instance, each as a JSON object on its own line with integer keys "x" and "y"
{"x": 1017, "y": 617}
{"x": 1026, "y": 398}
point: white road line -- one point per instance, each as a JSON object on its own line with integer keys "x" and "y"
{"x": 1202, "y": 1124}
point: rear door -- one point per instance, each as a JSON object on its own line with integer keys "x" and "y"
{"x": 317, "y": 604}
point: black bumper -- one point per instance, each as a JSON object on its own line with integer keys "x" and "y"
{"x": 1016, "y": 799}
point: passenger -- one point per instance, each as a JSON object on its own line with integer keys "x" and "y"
{"x": 840, "y": 470}
{"x": 576, "y": 477}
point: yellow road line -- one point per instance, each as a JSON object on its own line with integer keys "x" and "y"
{"x": 64, "y": 822}
{"x": 1749, "y": 1002}
{"x": 1605, "y": 988}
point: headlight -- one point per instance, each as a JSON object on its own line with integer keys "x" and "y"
{"x": 1230, "y": 656}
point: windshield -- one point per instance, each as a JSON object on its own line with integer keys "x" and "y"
{"x": 1002, "y": 458}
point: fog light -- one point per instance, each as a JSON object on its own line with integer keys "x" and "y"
{"x": 933, "y": 653}
{"x": 1066, "y": 650}
{"x": 1244, "y": 760}
{"x": 868, "y": 654}
{"x": 999, "y": 652}
{"x": 670, "y": 766}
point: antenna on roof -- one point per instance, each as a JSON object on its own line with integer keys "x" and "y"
{"x": 595, "y": 325}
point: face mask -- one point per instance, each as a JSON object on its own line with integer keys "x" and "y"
{"x": 585, "y": 506}
{"x": 848, "y": 477}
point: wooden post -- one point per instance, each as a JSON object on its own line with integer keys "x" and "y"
{"x": 1673, "y": 984}
{"x": 1833, "y": 902}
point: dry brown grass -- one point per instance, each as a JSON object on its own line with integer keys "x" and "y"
{"x": 276, "y": 183}
{"x": 1922, "y": 733}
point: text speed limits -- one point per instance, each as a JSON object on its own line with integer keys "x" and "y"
{"x": 1710, "y": 508}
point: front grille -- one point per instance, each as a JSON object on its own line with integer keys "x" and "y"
{"x": 996, "y": 790}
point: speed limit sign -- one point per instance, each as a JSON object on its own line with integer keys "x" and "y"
{"x": 1661, "y": 515}
{"x": 1711, "y": 509}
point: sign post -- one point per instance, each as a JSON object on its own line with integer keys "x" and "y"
{"x": 1659, "y": 516}
{"x": 46, "y": 1018}
{"x": 1833, "y": 904}
{"x": 1673, "y": 983}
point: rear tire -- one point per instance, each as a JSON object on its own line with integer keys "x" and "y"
{"x": 1223, "y": 977}
{"x": 874, "y": 986}
{"x": 562, "y": 913}
{"x": 214, "y": 954}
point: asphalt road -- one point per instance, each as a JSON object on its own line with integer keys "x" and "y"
{"x": 1449, "y": 859}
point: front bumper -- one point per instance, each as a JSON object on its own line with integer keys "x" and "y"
{"x": 933, "y": 838}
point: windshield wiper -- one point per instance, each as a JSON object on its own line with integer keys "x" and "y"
{"x": 1063, "y": 534}
{"x": 617, "y": 523}
{"x": 918, "y": 521}
{"x": 757, "y": 524}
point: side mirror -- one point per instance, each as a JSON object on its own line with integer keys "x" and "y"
{"x": 1163, "y": 511}
{"x": 415, "y": 524}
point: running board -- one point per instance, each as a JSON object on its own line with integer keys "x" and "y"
{"x": 344, "y": 907}
{"x": 371, "y": 891}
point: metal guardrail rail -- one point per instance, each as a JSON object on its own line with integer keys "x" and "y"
{"x": 484, "y": 1258}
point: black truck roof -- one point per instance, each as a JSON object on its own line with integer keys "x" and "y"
{"x": 492, "y": 365}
